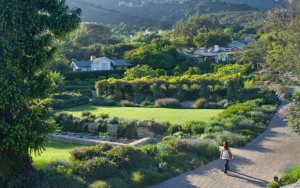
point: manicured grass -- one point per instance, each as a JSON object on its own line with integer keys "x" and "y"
{"x": 55, "y": 151}
{"x": 156, "y": 114}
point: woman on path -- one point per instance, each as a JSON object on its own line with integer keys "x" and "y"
{"x": 226, "y": 155}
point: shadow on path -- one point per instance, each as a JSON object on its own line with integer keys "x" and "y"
{"x": 249, "y": 179}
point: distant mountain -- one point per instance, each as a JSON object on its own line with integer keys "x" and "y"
{"x": 263, "y": 5}
{"x": 147, "y": 12}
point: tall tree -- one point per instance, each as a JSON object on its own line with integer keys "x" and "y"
{"x": 27, "y": 30}
{"x": 281, "y": 39}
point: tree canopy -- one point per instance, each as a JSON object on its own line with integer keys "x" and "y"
{"x": 27, "y": 31}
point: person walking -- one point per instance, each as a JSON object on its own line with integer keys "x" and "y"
{"x": 226, "y": 155}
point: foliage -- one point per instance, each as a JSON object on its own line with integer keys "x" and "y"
{"x": 127, "y": 129}
{"x": 280, "y": 38}
{"x": 95, "y": 169}
{"x": 140, "y": 71}
{"x": 192, "y": 71}
{"x": 101, "y": 126}
{"x": 291, "y": 111}
{"x": 99, "y": 184}
{"x": 167, "y": 103}
{"x": 153, "y": 56}
{"x": 289, "y": 176}
{"x": 200, "y": 103}
{"x": 184, "y": 87}
{"x": 92, "y": 75}
{"x": 209, "y": 39}
{"x": 125, "y": 157}
{"x": 61, "y": 101}
{"x": 28, "y": 30}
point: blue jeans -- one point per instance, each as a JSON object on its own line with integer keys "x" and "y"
{"x": 226, "y": 167}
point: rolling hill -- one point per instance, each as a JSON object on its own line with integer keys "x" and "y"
{"x": 170, "y": 11}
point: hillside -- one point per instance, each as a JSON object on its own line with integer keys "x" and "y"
{"x": 150, "y": 13}
{"x": 263, "y": 5}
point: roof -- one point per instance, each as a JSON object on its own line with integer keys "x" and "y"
{"x": 121, "y": 62}
{"x": 82, "y": 63}
{"x": 96, "y": 60}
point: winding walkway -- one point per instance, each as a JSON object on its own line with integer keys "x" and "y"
{"x": 255, "y": 165}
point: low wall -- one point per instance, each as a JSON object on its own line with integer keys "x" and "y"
{"x": 91, "y": 142}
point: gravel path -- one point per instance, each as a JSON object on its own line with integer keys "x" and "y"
{"x": 252, "y": 166}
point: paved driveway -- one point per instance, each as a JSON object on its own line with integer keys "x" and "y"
{"x": 253, "y": 166}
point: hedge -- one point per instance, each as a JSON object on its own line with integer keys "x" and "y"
{"x": 93, "y": 74}
{"x": 180, "y": 87}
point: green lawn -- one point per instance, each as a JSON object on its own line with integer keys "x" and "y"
{"x": 55, "y": 151}
{"x": 157, "y": 114}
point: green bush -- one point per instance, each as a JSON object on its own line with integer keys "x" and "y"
{"x": 103, "y": 116}
{"x": 196, "y": 127}
{"x": 207, "y": 149}
{"x": 173, "y": 129}
{"x": 30, "y": 179}
{"x": 61, "y": 177}
{"x": 291, "y": 175}
{"x": 235, "y": 140}
{"x": 85, "y": 113}
{"x": 114, "y": 120}
{"x": 167, "y": 103}
{"x": 90, "y": 152}
{"x": 100, "y": 184}
{"x": 101, "y": 126}
{"x": 274, "y": 184}
{"x": 127, "y": 103}
{"x": 125, "y": 157}
{"x": 200, "y": 103}
{"x": 58, "y": 104}
{"x": 93, "y": 74}
{"x": 116, "y": 183}
{"x": 72, "y": 125}
{"x": 95, "y": 169}
{"x": 237, "y": 109}
{"x": 127, "y": 129}
{"x": 150, "y": 150}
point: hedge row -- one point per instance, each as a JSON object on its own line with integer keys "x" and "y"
{"x": 93, "y": 74}
{"x": 181, "y": 87}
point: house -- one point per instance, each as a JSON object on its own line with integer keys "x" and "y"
{"x": 236, "y": 44}
{"x": 216, "y": 54}
{"x": 102, "y": 63}
{"x": 121, "y": 64}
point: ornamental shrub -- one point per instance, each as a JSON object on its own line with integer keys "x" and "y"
{"x": 127, "y": 129}
{"x": 101, "y": 126}
{"x": 234, "y": 139}
{"x": 61, "y": 176}
{"x": 116, "y": 183}
{"x": 86, "y": 153}
{"x": 173, "y": 129}
{"x": 58, "y": 104}
{"x": 127, "y": 103}
{"x": 85, "y": 113}
{"x": 125, "y": 157}
{"x": 103, "y": 116}
{"x": 200, "y": 103}
{"x": 95, "y": 169}
{"x": 194, "y": 127}
{"x": 167, "y": 103}
{"x": 100, "y": 184}
{"x": 30, "y": 179}
{"x": 113, "y": 120}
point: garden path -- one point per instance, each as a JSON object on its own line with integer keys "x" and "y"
{"x": 255, "y": 165}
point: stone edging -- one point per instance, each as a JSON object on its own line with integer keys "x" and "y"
{"x": 91, "y": 142}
